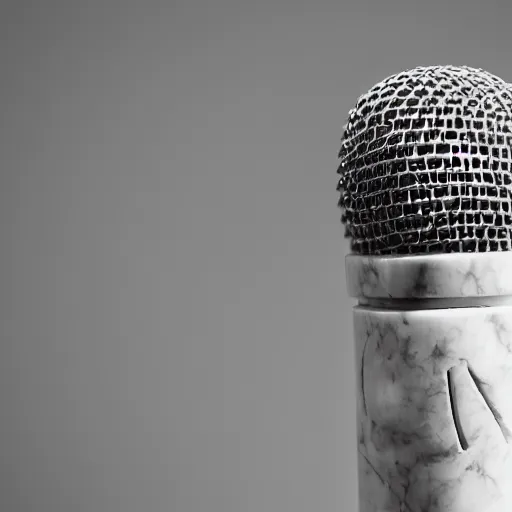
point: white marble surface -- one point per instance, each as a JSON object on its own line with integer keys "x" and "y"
{"x": 430, "y": 276}
{"x": 434, "y": 409}
{"x": 434, "y": 386}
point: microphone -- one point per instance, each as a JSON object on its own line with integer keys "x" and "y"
{"x": 426, "y": 199}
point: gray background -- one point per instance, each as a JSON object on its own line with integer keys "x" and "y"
{"x": 175, "y": 331}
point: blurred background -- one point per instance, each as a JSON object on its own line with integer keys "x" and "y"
{"x": 175, "y": 333}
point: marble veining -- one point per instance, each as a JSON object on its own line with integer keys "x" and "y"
{"x": 430, "y": 276}
{"x": 434, "y": 409}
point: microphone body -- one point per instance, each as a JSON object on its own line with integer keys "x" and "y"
{"x": 433, "y": 354}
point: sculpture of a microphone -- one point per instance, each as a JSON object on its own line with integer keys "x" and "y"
{"x": 426, "y": 198}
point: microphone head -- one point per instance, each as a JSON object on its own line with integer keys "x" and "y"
{"x": 426, "y": 164}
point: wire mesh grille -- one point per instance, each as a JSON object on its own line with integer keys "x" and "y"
{"x": 426, "y": 164}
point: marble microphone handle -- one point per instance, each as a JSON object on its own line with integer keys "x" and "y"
{"x": 434, "y": 384}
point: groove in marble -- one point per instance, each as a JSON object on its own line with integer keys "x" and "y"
{"x": 455, "y": 412}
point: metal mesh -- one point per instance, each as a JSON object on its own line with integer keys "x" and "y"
{"x": 426, "y": 164}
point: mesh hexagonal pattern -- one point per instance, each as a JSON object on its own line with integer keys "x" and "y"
{"x": 426, "y": 164}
